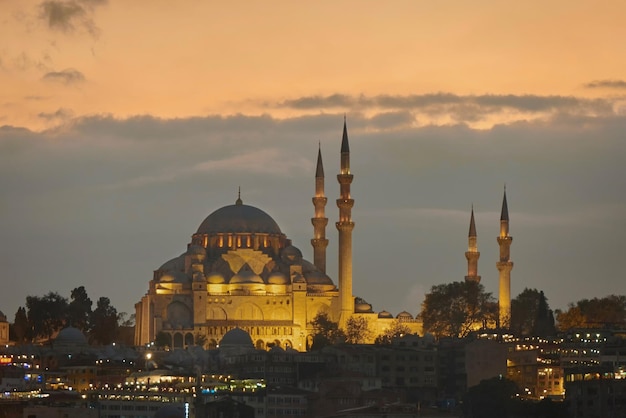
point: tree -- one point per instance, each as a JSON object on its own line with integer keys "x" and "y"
{"x": 126, "y": 320}
{"x": 531, "y": 314}
{"x": 21, "y": 327}
{"x": 492, "y": 398}
{"x": 603, "y": 312}
{"x": 455, "y": 309}
{"x": 79, "y": 309}
{"x": 325, "y": 331}
{"x": 396, "y": 329}
{"x": 357, "y": 330}
{"x": 104, "y": 322}
{"x": 46, "y": 314}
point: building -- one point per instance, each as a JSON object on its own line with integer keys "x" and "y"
{"x": 4, "y": 329}
{"x": 241, "y": 270}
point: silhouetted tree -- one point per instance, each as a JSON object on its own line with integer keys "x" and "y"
{"x": 46, "y": 314}
{"x": 79, "y": 309}
{"x": 454, "y": 309}
{"x": 325, "y": 331}
{"x": 491, "y": 398}
{"x": 531, "y": 314}
{"x": 21, "y": 327}
{"x": 357, "y": 330}
{"x": 126, "y": 320}
{"x": 104, "y": 322}
{"x": 396, "y": 329}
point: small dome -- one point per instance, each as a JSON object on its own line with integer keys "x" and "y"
{"x": 70, "y": 336}
{"x": 404, "y": 315}
{"x": 362, "y": 307}
{"x": 277, "y": 278}
{"x": 236, "y": 337}
{"x": 174, "y": 277}
{"x": 246, "y": 277}
{"x": 239, "y": 218}
{"x": 385, "y": 314}
{"x": 291, "y": 255}
{"x": 215, "y": 278}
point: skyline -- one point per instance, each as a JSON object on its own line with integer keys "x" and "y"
{"x": 122, "y": 126}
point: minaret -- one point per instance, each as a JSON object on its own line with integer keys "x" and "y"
{"x": 505, "y": 265}
{"x": 472, "y": 254}
{"x": 319, "y": 241}
{"x": 345, "y": 227}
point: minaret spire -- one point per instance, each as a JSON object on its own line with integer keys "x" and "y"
{"x": 345, "y": 227}
{"x": 319, "y": 241}
{"x": 472, "y": 255}
{"x": 505, "y": 265}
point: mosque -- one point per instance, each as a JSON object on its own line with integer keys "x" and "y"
{"x": 241, "y": 271}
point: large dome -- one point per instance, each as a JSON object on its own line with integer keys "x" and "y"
{"x": 239, "y": 218}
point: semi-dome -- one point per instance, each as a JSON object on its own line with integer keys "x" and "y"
{"x": 239, "y": 218}
{"x": 175, "y": 264}
{"x": 236, "y": 337}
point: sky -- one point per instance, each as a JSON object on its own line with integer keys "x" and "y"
{"x": 124, "y": 124}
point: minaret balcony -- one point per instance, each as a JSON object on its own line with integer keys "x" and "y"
{"x": 344, "y": 178}
{"x": 345, "y": 203}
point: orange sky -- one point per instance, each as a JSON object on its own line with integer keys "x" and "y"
{"x": 193, "y": 58}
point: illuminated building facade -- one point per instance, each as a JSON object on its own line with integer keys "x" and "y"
{"x": 240, "y": 270}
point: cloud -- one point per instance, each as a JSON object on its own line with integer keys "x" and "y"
{"x": 67, "y": 76}
{"x": 608, "y": 84}
{"x": 60, "y": 113}
{"x": 442, "y": 108}
{"x": 67, "y": 15}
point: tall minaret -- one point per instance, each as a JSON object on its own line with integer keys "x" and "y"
{"x": 345, "y": 227}
{"x": 505, "y": 265}
{"x": 319, "y": 241}
{"x": 472, "y": 254}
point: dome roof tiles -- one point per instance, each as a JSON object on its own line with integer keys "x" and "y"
{"x": 239, "y": 218}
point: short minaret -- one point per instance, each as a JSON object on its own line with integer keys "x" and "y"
{"x": 345, "y": 227}
{"x": 319, "y": 241}
{"x": 472, "y": 254}
{"x": 505, "y": 265}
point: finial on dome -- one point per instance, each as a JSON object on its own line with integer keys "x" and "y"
{"x": 239, "y": 202}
